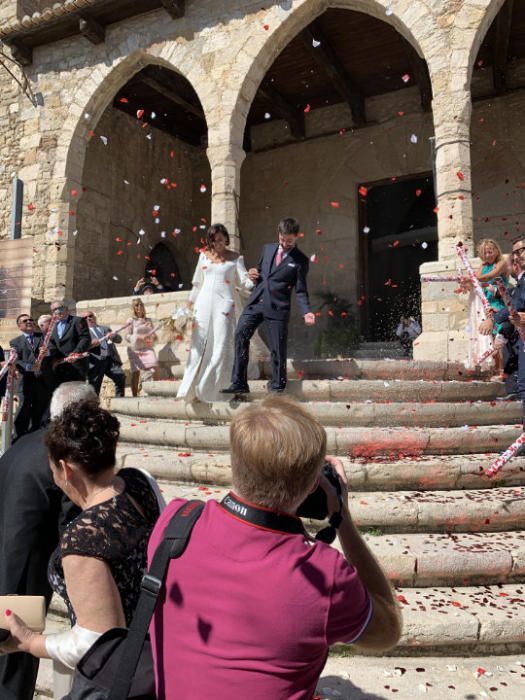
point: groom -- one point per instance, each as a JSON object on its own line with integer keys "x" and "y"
{"x": 281, "y": 268}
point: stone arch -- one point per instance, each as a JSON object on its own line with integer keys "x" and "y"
{"x": 96, "y": 93}
{"x": 416, "y": 25}
{"x": 491, "y": 10}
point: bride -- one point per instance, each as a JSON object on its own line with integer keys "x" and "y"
{"x": 216, "y": 304}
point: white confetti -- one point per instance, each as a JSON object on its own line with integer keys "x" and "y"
{"x": 148, "y": 136}
{"x": 267, "y": 115}
{"x": 389, "y": 11}
{"x": 422, "y": 688}
{"x": 203, "y": 188}
{"x": 315, "y": 43}
{"x": 126, "y": 182}
{"x": 164, "y": 181}
{"x": 142, "y": 232}
{"x": 177, "y": 231}
{"x": 314, "y": 258}
{"x": 163, "y": 234}
{"x": 153, "y": 115}
{"x": 87, "y": 116}
{"x": 157, "y": 221}
{"x": 424, "y": 245}
{"x": 156, "y": 207}
{"x": 104, "y": 140}
{"x": 405, "y": 78}
{"x": 75, "y": 233}
{"x": 366, "y": 229}
{"x": 180, "y": 286}
{"x": 413, "y": 138}
{"x": 115, "y": 278}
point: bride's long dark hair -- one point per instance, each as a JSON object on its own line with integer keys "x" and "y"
{"x": 213, "y": 231}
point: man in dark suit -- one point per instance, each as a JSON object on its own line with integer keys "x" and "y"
{"x": 104, "y": 359}
{"x": 70, "y": 337}
{"x": 32, "y": 512}
{"x": 281, "y": 269}
{"x": 3, "y": 381}
{"x": 36, "y": 393}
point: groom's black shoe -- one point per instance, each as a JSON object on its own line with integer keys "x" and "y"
{"x": 234, "y": 389}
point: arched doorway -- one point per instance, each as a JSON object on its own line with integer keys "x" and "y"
{"x": 338, "y": 133}
{"x": 145, "y": 182}
{"x": 498, "y": 144}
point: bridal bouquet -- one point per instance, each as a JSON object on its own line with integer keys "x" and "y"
{"x": 181, "y": 318}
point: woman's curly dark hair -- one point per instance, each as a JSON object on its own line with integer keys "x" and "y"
{"x": 213, "y": 231}
{"x": 85, "y": 435}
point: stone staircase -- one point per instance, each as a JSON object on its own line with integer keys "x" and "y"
{"x": 414, "y": 438}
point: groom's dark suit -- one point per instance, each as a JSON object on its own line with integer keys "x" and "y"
{"x": 36, "y": 391}
{"x": 270, "y": 302}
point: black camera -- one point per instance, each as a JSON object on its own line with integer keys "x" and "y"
{"x": 316, "y": 505}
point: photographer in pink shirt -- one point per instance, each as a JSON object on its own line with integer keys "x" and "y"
{"x": 253, "y": 605}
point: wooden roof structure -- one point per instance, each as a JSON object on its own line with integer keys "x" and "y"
{"x": 342, "y": 57}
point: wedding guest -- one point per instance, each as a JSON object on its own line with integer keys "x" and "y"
{"x": 141, "y": 339}
{"x": 70, "y": 337}
{"x": 100, "y": 561}
{"x": 104, "y": 360}
{"x": 32, "y": 512}
{"x": 43, "y": 322}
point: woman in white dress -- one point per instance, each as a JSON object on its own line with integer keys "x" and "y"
{"x": 215, "y": 303}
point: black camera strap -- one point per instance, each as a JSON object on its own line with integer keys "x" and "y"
{"x": 261, "y": 517}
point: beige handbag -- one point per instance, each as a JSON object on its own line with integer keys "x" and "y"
{"x": 31, "y": 609}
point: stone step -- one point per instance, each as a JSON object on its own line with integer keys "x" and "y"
{"x": 350, "y": 368}
{"x": 364, "y": 442}
{"x": 475, "y": 619}
{"x": 420, "y": 473}
{"x": 495, "y": 510}
{"x": 366, "y": 678}
{"x": 331, "y": 413}
{"x": 485, "y": 510}
{"x": 362, "y": 390}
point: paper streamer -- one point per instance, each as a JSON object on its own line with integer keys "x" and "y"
{"x": 488, "y": 353}
{"x": 11, "y": 359}
{"x": 8, "y": 396}
{"x": 505, "y": 457}
{"x": 442, "y": 278}
{"x": 42, "y": 352}
{"x": 472, "y": 276}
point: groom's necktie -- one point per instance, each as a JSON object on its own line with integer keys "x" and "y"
{"x": 279, "y": 257}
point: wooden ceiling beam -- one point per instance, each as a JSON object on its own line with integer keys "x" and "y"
{"x": 324, "y": 55}
{"x": 501, "y": 47}
{"x": 175, "y": 8}
{"x": 294, "y": 116}
{"x": 419, "y": 69}
{"x": 171, "y": 96}
{"x": 92, "y": 30}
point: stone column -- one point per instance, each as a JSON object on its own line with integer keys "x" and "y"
{"x": 225, "y": 162}
{"x": 444, "y": 312}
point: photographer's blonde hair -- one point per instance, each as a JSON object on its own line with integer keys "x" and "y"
{"x": 277, "y": 450}
{"x": 484, "y": 243}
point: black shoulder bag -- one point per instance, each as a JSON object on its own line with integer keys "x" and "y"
{"x": 119, "y": 665}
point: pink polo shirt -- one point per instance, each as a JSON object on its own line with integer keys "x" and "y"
{"x": 250, "y": 613}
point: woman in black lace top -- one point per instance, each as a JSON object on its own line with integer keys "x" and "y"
{"x": 98, "y": 565}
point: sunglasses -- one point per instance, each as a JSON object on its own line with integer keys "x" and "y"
{"x": 26, "y": 320}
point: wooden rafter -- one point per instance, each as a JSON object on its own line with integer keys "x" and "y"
{"x": 421, "y": 75}
{"x": 326, "y": 58}
{"x": 171, "y": 95}
{"x": 92, "y": 30}
{"x": 501, "y": 47}
{"x": 294, "y": 116}
{"x": 175, "y": 8}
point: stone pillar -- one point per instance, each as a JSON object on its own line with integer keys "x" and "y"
{"x": 60, "y": 242}
{"x": 225, "y": 162}
{"x": 445, "y": 312}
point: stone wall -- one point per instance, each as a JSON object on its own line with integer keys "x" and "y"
{"x": 224, "y": 50}
{"x": 140, "y": 187}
